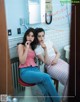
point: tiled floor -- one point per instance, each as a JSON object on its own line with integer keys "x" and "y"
{"x": 28, "y": 97}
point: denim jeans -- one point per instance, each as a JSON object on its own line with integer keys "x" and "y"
{"x": 43, "y": 80}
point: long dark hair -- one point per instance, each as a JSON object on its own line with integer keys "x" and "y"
{"x": 38, "y": 30}
{"x": 33, "y": 45}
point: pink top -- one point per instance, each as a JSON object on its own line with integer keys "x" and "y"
{"x": 29, "y": 60}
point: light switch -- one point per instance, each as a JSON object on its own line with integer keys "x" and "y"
{"x": 9, "y": 32}
{"x": 18, "y": 30}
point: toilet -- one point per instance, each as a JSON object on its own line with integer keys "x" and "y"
{"x": 67, "y": 51}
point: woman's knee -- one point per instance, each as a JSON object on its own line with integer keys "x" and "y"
{"x": 47, "y": 76}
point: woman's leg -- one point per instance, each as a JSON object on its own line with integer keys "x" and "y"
{"x": 33, "y": 75}
{"x": 59, "y": 71}
{"x": 45, "y": 93}
{"x": 65, "y": 92}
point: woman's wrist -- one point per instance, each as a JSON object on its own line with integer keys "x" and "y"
{"x": 56, "y": 58}
{"x": 45, "y": 49}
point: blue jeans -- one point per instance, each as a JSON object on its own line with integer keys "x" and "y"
{"x": 43, "y": 80}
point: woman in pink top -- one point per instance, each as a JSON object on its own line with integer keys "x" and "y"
{"x": 30, "y": 72}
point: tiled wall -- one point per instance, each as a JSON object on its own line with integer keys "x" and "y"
{"x": 58, "y": 41}
{"x": 58, "y": 31}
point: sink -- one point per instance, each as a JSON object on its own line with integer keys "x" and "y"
{"x": 67, "y": 51}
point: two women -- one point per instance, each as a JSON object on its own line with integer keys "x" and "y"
{"x": 47, "y": 53}
{"x": 30, "y": 72}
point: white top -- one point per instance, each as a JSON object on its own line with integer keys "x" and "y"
{"x": 50, "y": 50}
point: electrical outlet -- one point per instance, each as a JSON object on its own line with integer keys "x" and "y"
{"x": 9, "y": 32}
{"x": 19, "y": 30}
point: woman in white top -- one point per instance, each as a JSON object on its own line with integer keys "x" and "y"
{"x": 47, "y": 53}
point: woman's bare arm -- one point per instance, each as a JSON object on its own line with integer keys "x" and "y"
{"x": 41, "y": 57}
{"x": 45, "y": 57}
{"x": 57, "y": 53}
{"x": 56, "y": 57}
{"x": 22, "y": 53}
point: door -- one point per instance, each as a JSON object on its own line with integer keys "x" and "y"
{"x": 6, "y": 86}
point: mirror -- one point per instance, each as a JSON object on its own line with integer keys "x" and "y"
{"x": 58, "y": 31}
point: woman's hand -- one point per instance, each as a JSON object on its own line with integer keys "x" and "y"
{"x": 27, "y": 44}
{"x": 43, "y": 45}
{"x": 54, "y": 62}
